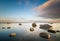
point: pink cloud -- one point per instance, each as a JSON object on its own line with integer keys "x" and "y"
{"x": 50, "y": 9}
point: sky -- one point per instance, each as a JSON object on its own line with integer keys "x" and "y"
{"x": 19, "y": 9}
{"x": 30, "y": 9}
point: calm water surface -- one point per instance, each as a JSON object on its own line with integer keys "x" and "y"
{"x": 24, "y": 34}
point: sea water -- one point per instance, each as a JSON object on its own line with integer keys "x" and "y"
{"x": 23, "y": 32}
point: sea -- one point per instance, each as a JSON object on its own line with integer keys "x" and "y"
{"x": 23, "y": 32}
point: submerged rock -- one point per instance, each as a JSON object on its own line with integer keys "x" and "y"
{"x": 12, "y": 35}
{"x": 8, "y": 22}
{"x": 20, "y": 24}
{"x": 51, "y": 31}
{"x": 3, "y": 27}
{"x": 8, "y": 27}
{"x": 34, "y": 25}
{"x": 57, "y": 31}
{"x": 31, "y": 29}
{"x": 45, "y": 35}
{"x": 51, "y": 23}
{"x": 45, "y": 26}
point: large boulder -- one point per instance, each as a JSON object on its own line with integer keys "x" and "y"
{"x": 45, "y": 35}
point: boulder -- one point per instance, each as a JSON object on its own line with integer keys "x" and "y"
{"x": 45, "y": 35}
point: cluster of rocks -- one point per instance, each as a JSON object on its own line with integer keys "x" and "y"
{"x": 49, "y": 29}
{"x": 44, "y": 34}
{"x": 33, "y": 26}
{"x": 7, "y": 27}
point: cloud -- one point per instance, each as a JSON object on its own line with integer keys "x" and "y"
{"x": 50, "y": 9}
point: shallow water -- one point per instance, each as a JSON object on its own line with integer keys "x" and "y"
{"x": 24, "y": 34}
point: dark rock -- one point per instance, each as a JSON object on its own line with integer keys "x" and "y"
{"x": 34, "y": 25}
{"x": 51, "y": 23}
{"x": 51, "y": 31}
{"x": 31, "y": 29}
{"x": 45, "y": 35}
{"x": 8, "y": 27}
{"x": 8, "y": 22}
{"x": 3, "y": 27}
{"x": 57, "y": 31}
{"x": 20, "y": 24}
{"x": 45, "y": 26}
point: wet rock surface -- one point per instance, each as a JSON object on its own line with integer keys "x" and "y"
{"x": 51, "y": 31}
{"x": 45, "y": 26}
{"x": 12, "y": 35}
{"x": 8, "y": 27}
{"x": 31, "y": 29}
{"x": 44, "y": 35}
{"x": 34, "y": 25}
{"x": 20, "y": 24}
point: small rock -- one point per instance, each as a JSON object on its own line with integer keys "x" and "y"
{"x": 20, "y": 24}
{"x": 3, "y": 27}
{"x": 57, "y": 31}
{"x": 8, "y": 27}
{"x": 51, "y": 23}
{"x": 12, "y": 35}
{"x": 31, "y": 29}
{"x": 34, "y": 25}
{"x": 51, "y": 31}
